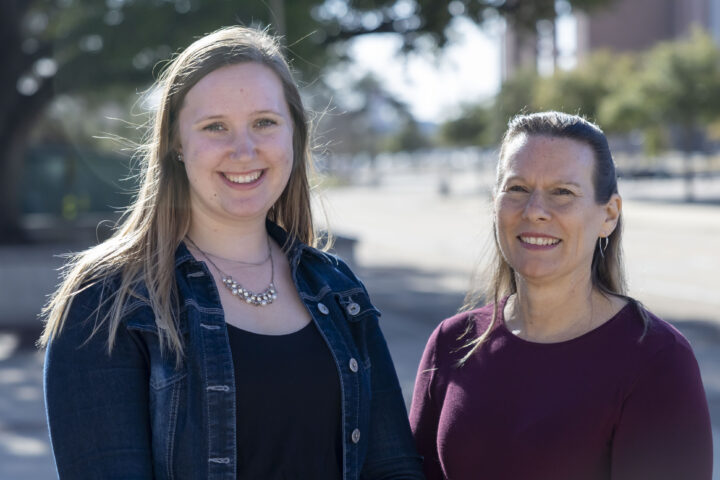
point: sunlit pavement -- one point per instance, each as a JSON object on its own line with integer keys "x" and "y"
{"x": 416, "y": 251}
{"x": 24, "y": 446}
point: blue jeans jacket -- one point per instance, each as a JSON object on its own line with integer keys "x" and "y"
{"x": 134, "y": 415}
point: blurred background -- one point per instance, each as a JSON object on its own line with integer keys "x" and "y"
{"x": 409, "y": 99}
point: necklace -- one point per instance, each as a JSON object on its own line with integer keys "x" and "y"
{"x": 238, "y": 262}
{"x": 266, "y": 297}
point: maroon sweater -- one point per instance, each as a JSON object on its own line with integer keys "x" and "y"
{"x": 605, "y": 405}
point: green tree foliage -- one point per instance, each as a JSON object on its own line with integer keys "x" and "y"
{"x": 471, "y": 127}
{"x": 677, "y": 84}
{"x": 343, "y": 19}
{"x": 485, "y": 123}
{"x": 674, "y": 95}
{"x": 671, "y": 94}
{"x": 410, "y": 138}
{"x": 82, "y": 47}
{"x": 583, "y": 89}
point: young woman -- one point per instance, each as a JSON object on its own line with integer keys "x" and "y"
{"x": 208, "y": 338}
{"x": 561, "y": 375}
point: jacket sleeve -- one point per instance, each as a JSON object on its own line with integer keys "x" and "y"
{"x": 664, "y": 430}
{"x": 391, "y": 452}
{"x": 96, "y": 403}
{"x": 424, "y": 414}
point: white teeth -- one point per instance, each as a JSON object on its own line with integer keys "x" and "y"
{"x": 250, "y": 177}
{"x": 540, "y": 240}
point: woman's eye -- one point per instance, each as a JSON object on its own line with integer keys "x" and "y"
{"x": 516, "y": 188}
{"x": 563, "y": 191}
{"x": 214, "y": 127}
{"x": 265, "y": 122}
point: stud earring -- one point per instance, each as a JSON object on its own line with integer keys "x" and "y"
{"x": 180, "y": 157}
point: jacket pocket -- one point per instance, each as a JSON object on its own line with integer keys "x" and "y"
{"x": 361, "y": 316}
{"x": 356, "y": 305}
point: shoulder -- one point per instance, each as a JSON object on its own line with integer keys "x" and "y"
{"x": 655, "y": 334}
{"x": 473, "y": 322}
{"x": 657, "y": 346}
{"x": 96, "y": 298}
{"x": 93, "y": 295}
{"x": 449, "y": 338}
{"x": 322, "y": 269}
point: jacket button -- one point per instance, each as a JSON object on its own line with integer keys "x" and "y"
{"x": 353, "y": 309}
{"x": 355, "y": 436}
{"x": 323, "y": 309}
{"x": 353, "y": 365}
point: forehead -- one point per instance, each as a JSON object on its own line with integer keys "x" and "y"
{"x": 554, "y": 158}
{"x": 250, "y": 85}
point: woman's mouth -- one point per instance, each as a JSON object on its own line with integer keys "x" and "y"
{"x": 243, "y": 178}
{"x": 540, "y": 241}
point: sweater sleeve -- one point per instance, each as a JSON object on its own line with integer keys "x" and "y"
{"x": 664, "y": 429}
{"x": 424, "y": 412}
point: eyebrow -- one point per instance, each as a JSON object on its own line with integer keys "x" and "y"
{"x": 560, "y": 182}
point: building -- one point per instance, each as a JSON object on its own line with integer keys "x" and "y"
{"x": 622, "y": 26}
{"x": 635, "y": 25}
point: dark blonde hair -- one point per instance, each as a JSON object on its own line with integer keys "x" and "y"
{"x": 142, "y": 249}
{"x": 607, "y": 267}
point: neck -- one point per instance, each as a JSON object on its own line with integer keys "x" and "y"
{"x": 554, "y": 312}
{"x": 244, "y": 242}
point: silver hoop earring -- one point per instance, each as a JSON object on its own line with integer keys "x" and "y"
{"x": 603, "y": 245}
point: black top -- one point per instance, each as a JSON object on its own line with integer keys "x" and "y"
{"x": 288, "y": 406}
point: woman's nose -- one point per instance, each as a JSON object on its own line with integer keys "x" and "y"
{"x": 536, "y": 208}
{"x": 243, "y": 145}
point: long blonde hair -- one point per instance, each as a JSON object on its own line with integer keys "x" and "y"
{"x": 142, "y": 249}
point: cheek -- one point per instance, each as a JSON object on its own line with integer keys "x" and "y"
{"x": 283, "y": 153}
{"x": 502, "y": 229}
{"x": 504, "y": 214}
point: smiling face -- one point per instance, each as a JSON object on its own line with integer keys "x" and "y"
{"x": 547, "y": 219}
{"x": 236, "y": 138}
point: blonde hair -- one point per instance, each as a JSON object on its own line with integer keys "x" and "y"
{"x": 141, "y": 252}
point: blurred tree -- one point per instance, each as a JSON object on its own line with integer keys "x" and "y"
{"x": 677, "y": 86}
{"x": 582, "y": 89}
{"x": 516, "y": 96}
{"x": 79, "y": 47}
{"x": 485, "y": 123}
{"x": 471, "y": 127}
{"x": 344, "y": 19}
{"x": 410, "y": 138}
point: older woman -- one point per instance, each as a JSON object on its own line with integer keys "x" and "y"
{"x": 561, "y": 375}
{"x": 208, "y": 338}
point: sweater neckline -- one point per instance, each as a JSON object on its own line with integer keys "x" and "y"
{"x": 599, "y": 330}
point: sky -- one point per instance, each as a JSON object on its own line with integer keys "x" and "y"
{"x": 468, "y": 70}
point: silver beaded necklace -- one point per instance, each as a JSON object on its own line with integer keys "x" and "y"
{"x": 266, "y": 297}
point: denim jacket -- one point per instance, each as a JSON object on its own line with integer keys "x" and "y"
{"x": 135, "y": 415}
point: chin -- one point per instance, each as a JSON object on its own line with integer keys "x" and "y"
{"x": 535, "y": 272}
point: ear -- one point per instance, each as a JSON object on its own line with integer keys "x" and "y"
{"x": 613, "y": 208}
